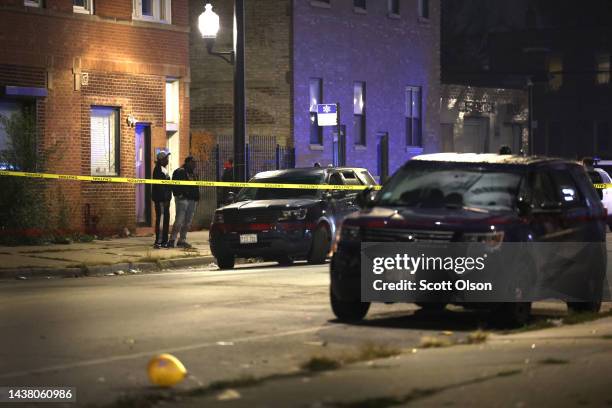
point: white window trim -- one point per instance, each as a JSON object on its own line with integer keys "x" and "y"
{"x": 137, "y": 12}
{"x": 32, "y": 3}
{"x": 88, "y": 9}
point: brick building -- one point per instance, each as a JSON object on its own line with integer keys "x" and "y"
{"x": 378, "y": 59}
{"x": 109, "y": 80}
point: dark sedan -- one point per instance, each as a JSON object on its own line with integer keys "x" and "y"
{"x": 283, "y": 224}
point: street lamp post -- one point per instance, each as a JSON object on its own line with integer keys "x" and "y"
{"x": 208, "y": 23}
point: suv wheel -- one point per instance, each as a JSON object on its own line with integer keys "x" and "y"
{"x": 320, "y": 245}
{"x": 582, "y": 307}
{"x": 351, "y": 311}
{"x": 513, "y": 314}
{"x": 225, "y": 262}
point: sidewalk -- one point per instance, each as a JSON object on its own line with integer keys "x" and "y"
{"x": 564, "y": 366}
{"x": 100, "y": 257}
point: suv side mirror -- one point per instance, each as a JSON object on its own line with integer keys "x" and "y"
{"x": 365, "y": 198}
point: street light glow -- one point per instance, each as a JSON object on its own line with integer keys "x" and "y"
{"x": 208, "y": 22}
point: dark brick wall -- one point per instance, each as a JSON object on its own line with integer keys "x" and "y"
{"x": 342, "y": 46}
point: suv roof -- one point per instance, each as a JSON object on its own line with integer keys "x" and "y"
{"x": 305, "y": 170}
{"x": 486, "y": 158}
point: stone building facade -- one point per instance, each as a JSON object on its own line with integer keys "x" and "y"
{"x": 109, "y": 82}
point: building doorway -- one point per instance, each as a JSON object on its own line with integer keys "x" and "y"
{"x": 383, "y": 157}
{"x": 142, "y": 146}
{"x": 475, "y": 135}
{"x": 339, "y": 147}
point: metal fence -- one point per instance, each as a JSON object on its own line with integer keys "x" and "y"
{"x": 262, "y": 153}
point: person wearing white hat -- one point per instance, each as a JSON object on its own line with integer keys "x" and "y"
{"x": 161, "y": 195}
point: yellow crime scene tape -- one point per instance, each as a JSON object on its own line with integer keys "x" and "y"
{"x": 196, "y": 183}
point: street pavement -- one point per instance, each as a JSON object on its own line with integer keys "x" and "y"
{"x": 98, "y": 334}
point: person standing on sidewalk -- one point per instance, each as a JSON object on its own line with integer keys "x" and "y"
{"x": 227, "y": 176}
{"x": 185, "y": 200}
{"x": 161, "y": 194}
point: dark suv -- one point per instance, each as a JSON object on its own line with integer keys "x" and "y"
{"x": 284, "y": 225}
{"x": 472, "y": 198}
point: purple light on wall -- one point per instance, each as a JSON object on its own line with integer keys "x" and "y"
{"x": 25, "y": 91}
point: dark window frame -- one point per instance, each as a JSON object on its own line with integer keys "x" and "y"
{"x": 359, "y": 119}
{"x": 414, "y": 124}
{"x": 393, "y": 7}
{"x": 316, "y": 131}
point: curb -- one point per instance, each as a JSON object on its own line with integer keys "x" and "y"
{"x": 104, "y": 270}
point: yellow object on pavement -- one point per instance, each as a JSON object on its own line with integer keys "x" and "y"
{"x": 166, "y": 370}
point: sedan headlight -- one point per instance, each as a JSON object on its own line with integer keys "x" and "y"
{"x": 493, "y": 239}
{"x": 218, "y": 218}
{"x": 287, "y": 215}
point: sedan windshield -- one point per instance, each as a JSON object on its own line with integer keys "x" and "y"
{"x": 247, "y": 194}
{"x": 452, "y": 187}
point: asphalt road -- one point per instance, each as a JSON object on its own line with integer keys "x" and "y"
{"x": 97, "y": 334}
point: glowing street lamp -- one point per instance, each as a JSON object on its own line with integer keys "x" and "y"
{"x": 208, "y": 24}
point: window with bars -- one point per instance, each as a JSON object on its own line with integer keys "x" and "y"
{"x": 359, "y": 113}
{"x": 152, "y": 10}
{"x": 82, "y": 6}
{"x": 414, "y": 122}
{"x": 104, "y": 141}
{"x": 32, "y": 3}
{"x": 315, "y": 98}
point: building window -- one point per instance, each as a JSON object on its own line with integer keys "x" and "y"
{"x": 394, "y": 8}
{"x": 414, "y": 127}
{"x": 360, "y": 4}
{"x": 32, "y": 3}
{"x": 82, "y": 6}
{"x": 104, "y": 141}
{"x": 321, "y": 3}
{"x": 603, "y": 69}
{"x": 359, "y": 112}
{"x": 316, "y": 97}
{"x": 424, "y": 8}
{"x": 555, "y": 69}
{"x": 152, "y": 10}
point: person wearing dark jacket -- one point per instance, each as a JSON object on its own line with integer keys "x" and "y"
{"x": 161, "y": 195}
{"x": 227, "y": 176}
{"x": 185, "y": 200}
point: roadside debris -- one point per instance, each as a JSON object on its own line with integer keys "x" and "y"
{"x": 228, "y": 394}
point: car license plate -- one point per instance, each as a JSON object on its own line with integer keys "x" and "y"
{"x": 248, "y": 239}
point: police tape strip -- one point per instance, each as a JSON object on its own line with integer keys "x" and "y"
{"x": 129, "y": 180}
